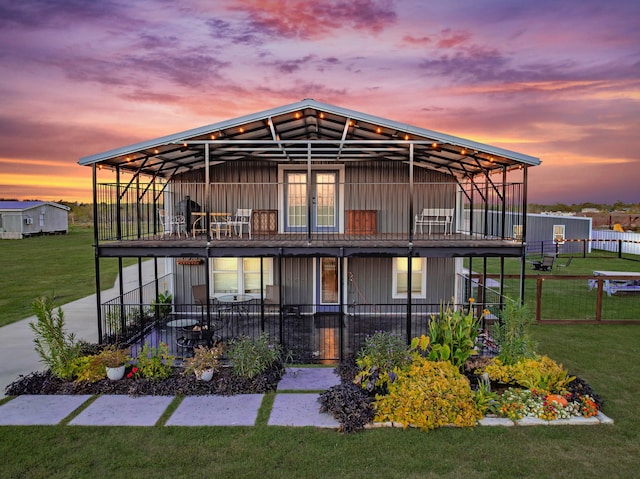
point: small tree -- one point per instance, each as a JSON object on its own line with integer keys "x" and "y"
{"x": 57, "y": 349}
{"x": 512, "y": 335}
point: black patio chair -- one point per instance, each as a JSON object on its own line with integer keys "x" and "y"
{"x": 545, "y": 265}
{"x": 565, "y": 265}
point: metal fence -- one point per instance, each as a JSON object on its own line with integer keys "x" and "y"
{"x": 307, "y": 333}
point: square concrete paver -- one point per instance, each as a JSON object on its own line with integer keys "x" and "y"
{"x": 239, "y": 410}
{"x": 308, "y": 379}
{"x": 299, "y": 410}
{"x": 119, "y": 410}
{"x": 43, "y": 409}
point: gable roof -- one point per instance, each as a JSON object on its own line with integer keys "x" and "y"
{"x": 308, "y": 129}
{"x": 27, "y": 205}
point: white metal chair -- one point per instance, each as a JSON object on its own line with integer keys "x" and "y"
{"x": 242, "y": 218}
{"x": 169, "y": 223}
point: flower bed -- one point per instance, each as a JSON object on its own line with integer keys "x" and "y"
{"x": 440, "y": 380}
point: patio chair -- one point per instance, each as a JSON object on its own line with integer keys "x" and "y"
{"x": 169, "y": 223}
{"x": 242, "y": 218}
{"x": 565, "y": 265}
{"x": 545, "y": 265}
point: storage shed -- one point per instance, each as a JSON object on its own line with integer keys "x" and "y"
{"x": 19, "y": 219}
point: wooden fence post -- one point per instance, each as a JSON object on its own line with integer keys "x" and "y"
{"x": 539, "y": 298}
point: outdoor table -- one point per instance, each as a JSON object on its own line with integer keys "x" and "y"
{"x": 182, "y": 323}
{"x": 184, "y": 338}
{"x": 612, "y": 286}
{"x": 236, "y": 302}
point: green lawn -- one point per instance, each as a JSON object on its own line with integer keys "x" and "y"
{"x": 37, "y": 266}
{"x": 569, "y": 299}
{"x": 601, "y": 354}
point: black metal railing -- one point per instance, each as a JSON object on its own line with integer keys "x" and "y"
{"x": 307, "y": 333}
{"x": 357, "y": 211}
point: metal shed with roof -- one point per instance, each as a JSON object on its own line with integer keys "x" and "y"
{"x": 19, "y": 219}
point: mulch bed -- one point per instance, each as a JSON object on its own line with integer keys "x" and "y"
{"x": 224, "y": 382}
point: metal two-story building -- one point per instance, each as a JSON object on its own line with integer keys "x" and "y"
{"x": 313, "y": 223}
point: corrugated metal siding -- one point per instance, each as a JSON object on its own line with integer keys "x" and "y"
{"x": 372, "y": 281}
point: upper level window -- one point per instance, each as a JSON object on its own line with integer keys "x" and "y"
{"x": 401, "y": 278}
{"x": 240, "y": 275}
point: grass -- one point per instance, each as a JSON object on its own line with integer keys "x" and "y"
{"x": 570, "y": 299}
{"x": 37, "y": 266}
{"x": 601, "y": 354}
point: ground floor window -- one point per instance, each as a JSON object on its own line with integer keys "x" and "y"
{"x": 240, "y": 275}
{"x": 401, "y": 278}
{"x": 558, "y": 234}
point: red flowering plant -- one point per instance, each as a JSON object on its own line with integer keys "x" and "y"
{"x": 134, "y": 373}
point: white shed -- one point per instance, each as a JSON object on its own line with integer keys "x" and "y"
{"x": 19, "y": 219}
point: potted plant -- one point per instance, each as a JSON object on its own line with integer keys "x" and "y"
{"x": 204, "y": 362}
{"x": 115, "y": 361}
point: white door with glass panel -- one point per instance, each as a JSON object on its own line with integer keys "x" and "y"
{"x": 322, "y": 214}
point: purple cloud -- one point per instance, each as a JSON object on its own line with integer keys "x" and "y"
{"x": 59, "y": 13}
{"x": 307, "y": 20}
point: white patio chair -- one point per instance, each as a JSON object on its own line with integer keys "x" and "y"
{"x": 169, "y": 223}
{"x": 242, "y": 218}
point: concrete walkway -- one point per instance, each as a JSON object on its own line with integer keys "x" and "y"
{"x": 17, "y": 354}
{"x": 296, "y": 404}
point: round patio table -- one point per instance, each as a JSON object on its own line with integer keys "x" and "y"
{"x": 236, "y": 303}
{"x": 182, "y": 323}
{"x": 235, "y": 298}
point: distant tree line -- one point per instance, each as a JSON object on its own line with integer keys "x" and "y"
{"x": 617, "y": 207}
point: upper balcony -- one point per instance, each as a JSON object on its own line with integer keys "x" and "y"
{"x": 308, "y": 217}
{"x": 318, "y": 179}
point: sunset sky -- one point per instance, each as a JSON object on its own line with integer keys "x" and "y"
{"x": 559, "y": 80}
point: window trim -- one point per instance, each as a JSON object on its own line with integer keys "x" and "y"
{"x": 240, "y": 274}
{"x": 423, "y": 286}
{"x": 558, "y": 234}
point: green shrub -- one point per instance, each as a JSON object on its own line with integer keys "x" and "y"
{"x": 56, "y": 349}
{"x": 381, "y": 354}
{"x": 512, "y": 335}
{"x": 251, "y": 357}
{"x": 427, "y": 395}
{"x": 453, "y": 335}
{"x": 154, "y": 363}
